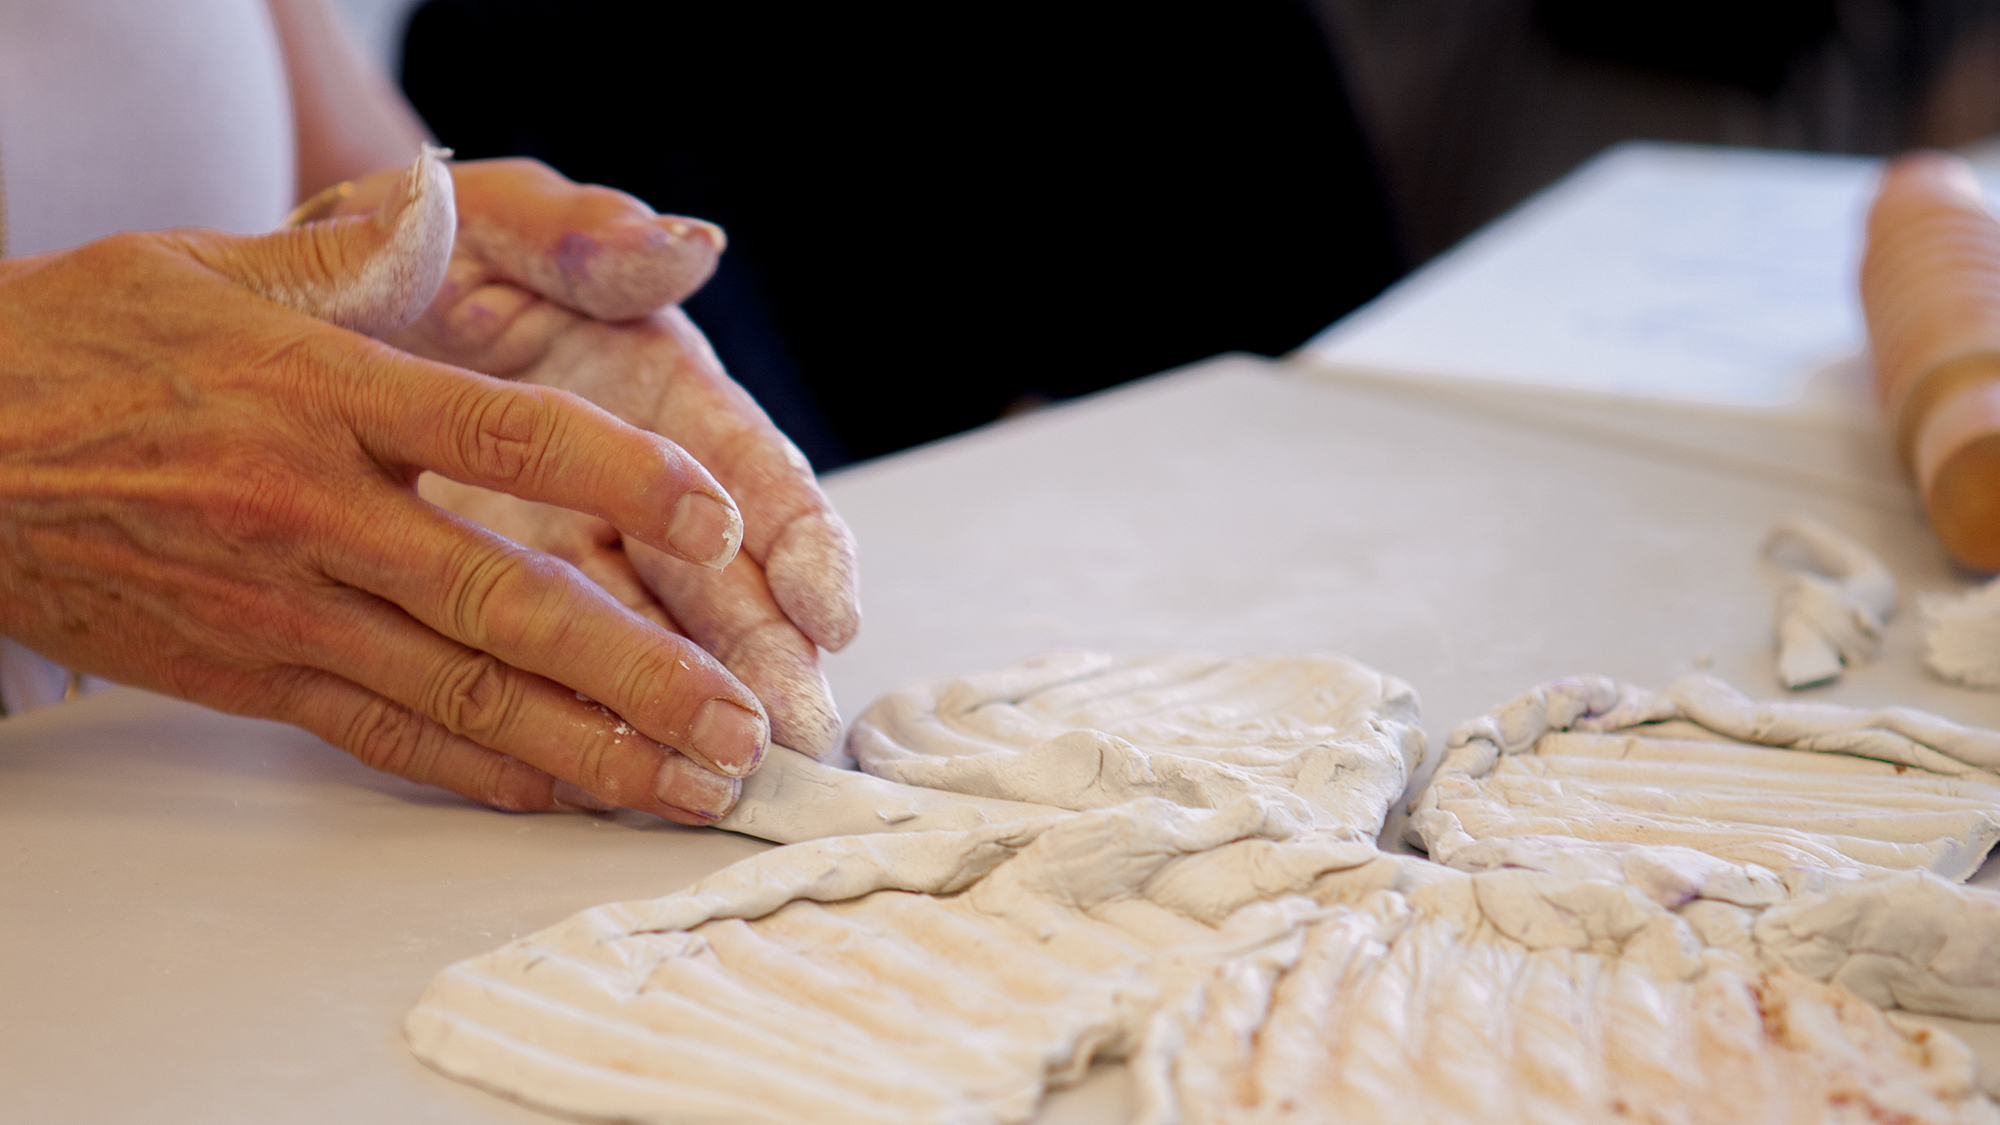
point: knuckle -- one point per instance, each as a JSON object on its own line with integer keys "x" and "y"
{"x": 516, "y": 166}
{"x": 252, "y": 628}
{"x": 649, "y": 680}
{"x": 599, "y": 196}
{"x": 479, "y": 585}
{"x": 150, "y": 249}
{"x": 123, "y": 246}
{"x": 472, "y": 696}
{"x": 595, "y": 769}
{"x": 295, "y": 627}
{"x": 389, "y": 737}
{"x": 191, "y": 677}
{"x": 506, "y": 439}
{"x": 503, "y": 784}
{"x": 296, "y": 359}
{"x": 251, "y": 496}
{"x": 507, "y": 597}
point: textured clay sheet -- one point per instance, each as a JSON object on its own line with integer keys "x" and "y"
{"x": 1171, "y": 861}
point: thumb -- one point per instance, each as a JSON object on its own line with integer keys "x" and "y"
{"x": 372, "y": 273}
{"x": 598, "y": 251}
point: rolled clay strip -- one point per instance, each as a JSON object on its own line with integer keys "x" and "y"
{"x": 1320, "y": 742}
{"x": 1930, "y": 286}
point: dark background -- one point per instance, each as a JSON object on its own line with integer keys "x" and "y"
{"x": 940, "y": 215}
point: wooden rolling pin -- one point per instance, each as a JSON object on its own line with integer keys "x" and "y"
{"x": 1930, "y": 285}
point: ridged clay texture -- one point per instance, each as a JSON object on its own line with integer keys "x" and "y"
{"x": 1212, "y": 908}
{"x": 1816, "y": 838}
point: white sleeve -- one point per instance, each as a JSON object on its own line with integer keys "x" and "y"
{"x": 29, "y": 680}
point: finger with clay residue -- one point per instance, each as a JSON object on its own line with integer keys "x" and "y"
{"x": 660, "y": 374}
{"x": 811, "y": 573}
{"x": 805, "y": 550}
{"x": 732, "y": 615}
{"x": 1834, "y": 603}
{"x": 596, "y": 250}
{"x": 534, "y": 252}
{"x": 375, "y": 272}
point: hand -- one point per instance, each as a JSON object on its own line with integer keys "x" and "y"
{"x": 205, "y": 493}
{"x": 653, "y": 373}
{"x": 565, "y": 285}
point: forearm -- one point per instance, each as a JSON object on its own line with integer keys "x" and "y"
{"x": 350, "y": 120}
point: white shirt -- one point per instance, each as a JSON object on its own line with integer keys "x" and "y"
{"x": 135, "y": 115}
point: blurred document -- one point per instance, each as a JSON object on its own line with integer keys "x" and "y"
{"x": 1700, "y": 275}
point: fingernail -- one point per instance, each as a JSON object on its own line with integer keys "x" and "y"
{"x": 730, "y": 737}
{"x": 406, "y": 189}
{"x": 684, "y": 784}
{"x": 680, "y": 228}
{"x": 705, "y": 531}
{"x": 573, "y": 796}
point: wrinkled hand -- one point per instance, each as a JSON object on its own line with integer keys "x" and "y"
{"x": 569, "y": 286}
{"x": 205, "y": 493}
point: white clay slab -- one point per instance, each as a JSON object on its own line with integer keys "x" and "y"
{"x": 918, "y": 977}
{"x": 954, "y": 977}
{"x": 1379, "y": 1014}
{"x": 1816, "y": 838}
{"x": 1708, "y": 794}
{"x": 1246, "y": 945}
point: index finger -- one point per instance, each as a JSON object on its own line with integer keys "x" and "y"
{"x": 542, "y": 444}
{"x": 537, "y": 614}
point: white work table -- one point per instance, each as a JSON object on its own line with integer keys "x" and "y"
{"x": 214, "y": 919}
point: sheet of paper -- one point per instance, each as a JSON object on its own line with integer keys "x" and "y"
{"x": 1713, "y": 276}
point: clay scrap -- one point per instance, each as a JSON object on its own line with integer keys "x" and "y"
{"x": 1833, "y": 605}
{"x": 1962, "y": 635}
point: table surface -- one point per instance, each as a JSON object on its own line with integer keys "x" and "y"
{"x": 217, "y": 919}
